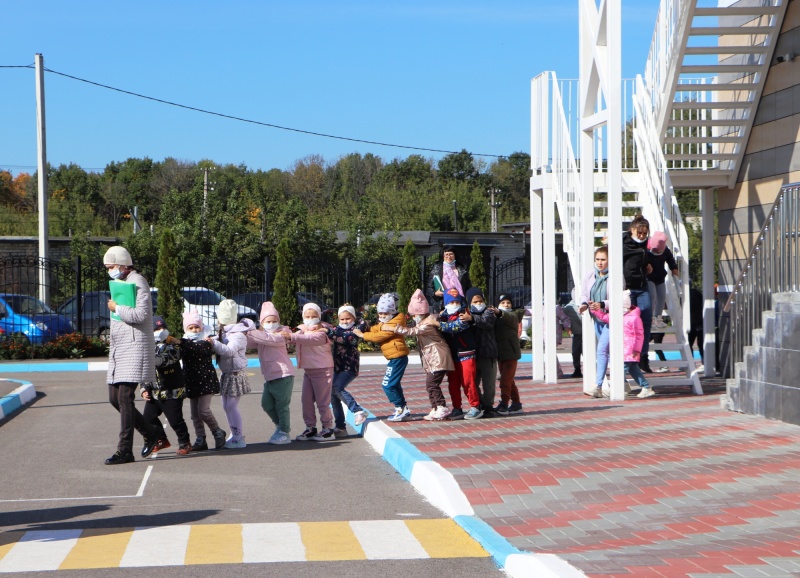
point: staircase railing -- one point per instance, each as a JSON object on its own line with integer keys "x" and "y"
{"x": 553, "y": 154}
{"x": 773, "y": 266}
{"x": 661, "y": 208}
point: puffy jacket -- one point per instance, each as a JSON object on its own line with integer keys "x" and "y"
{"x": 272, "y": 354}
{"x": 485, "y": 338}
{"x": 460, "y": 335}
{"x": 199, "y": 374}
{"x": 169, "y": 375}
{"x": 433, "y": 348}
{"x": 393, "y": 345}
{"x": 231, "y": 348}
{"x": 506, "y": 330}
{"x": 633, "y": 332}
{"x": 130, "y": 354}
{"x": 635, "y": 258}
{"x": 346, "y": 356}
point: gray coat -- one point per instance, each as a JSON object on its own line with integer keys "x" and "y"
{"x": 131, "y": 357}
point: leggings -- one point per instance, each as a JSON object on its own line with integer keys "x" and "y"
{"x": 201, "y": 414}
{"x": 230, "y": 404}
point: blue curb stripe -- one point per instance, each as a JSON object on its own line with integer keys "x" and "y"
{"x": 486, "y": 536}
{"x": 9, "y": 404}
{"x": 43, "y": 367}
{"x": 402, "y": 455}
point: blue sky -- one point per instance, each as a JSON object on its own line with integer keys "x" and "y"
{"x": 447, "y": 74}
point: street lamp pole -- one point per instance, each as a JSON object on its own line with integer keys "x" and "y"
{"x": 455, "y": 215}
{"x": 494, "y": 204}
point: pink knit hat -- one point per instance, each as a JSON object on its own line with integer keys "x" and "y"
{"x": 658, "y": 242}
{"x": 192, "y": 317}
{"x": 268, "y": 309}
{"x": 418, "y": 305}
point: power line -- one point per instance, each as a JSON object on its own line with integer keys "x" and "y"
{"x": 256, "y": 122}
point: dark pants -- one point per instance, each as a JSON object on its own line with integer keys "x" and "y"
{"x": 659, "y": 338}
{"x": 696, "y": 335}
{"x": 173, "y": 409}
{"x": 433, "y": 383}
{"x": 122, "y": 396}
{"x": 577, "y": 351}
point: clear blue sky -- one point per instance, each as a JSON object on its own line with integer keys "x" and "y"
{"x": 446, "y": 74}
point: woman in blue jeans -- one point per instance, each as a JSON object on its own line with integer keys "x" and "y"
{"x": 346, "y": 359}
{"x": 594, "y": 298}
{"x": 636, "y": 266}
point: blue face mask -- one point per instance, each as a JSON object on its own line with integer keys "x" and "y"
{"x": 479, "y": 307}
{"x": 115, "y": 273}
{"x": 602, "y": 271}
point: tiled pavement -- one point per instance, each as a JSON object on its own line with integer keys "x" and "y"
{"x": 667, "y": 486}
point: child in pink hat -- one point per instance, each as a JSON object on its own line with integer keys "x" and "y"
{"x": 660, "y": 255}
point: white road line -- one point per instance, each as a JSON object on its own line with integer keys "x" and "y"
{"x": 40, "y": 550}
{"x": 162, "y": 546}
{"x": 277, "y": 542}
{"x": 140, "y": 493}
{"x": 387, "y": 540}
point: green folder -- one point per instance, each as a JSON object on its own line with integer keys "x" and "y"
{"x": 437, "y": 284}
{"x": 124, "y": 293}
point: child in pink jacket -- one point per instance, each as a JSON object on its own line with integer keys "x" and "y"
{"x": 315, "y": 358}
{"x": 277, "y": 369}
{"x": 633, "y": 339}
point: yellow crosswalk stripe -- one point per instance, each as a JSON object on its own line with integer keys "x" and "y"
{"x": 98, "y": 548}
{"x": 7, "y": 541}
{"x": 445, "y": 539}
{"x": 330, "y": 541}
{"x": 215, "y": 544}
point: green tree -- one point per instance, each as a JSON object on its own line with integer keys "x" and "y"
{"x": 284, "y": 287}
{"x": 477, "y": 273}
{"x": 170, "y": 299}
{"x": 408, "y": 282}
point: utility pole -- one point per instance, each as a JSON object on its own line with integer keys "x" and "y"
{"x": 494, "y": 205}
{"x": 41, "y": 144}
{"x": 455, "y": 215}
{"x": 205, "y": 198}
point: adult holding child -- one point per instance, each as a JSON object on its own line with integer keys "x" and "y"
{"x": 447, "y": 276}
{"x": 637, "y": 264}
{"x": 130, "y": 354}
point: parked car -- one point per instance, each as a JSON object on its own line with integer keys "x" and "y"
{"x": 26, "y": 315}
{"x": 255, "y": 300}
{"x": 95, "y": 316}
{"x": 207, "y": 301}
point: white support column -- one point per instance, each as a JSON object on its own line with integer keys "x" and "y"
{"x": 41, "y": 177}
{"x": 709, "y": 299}
{"x": 536, "y": 285}
{"x": 549, "y": 279}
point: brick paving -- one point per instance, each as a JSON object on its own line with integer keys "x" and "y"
{"x": 666, "y": 486}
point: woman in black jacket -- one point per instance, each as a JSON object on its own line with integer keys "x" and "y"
{"x": 447, "y": 275}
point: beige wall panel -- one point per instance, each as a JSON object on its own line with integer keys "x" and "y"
{"x": 736, "y": 246}
{"x": 751, "y": 193}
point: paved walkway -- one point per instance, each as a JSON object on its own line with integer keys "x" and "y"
{"x": 667, "y": 486}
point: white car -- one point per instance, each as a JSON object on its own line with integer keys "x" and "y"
{"x": 207, "y": 301}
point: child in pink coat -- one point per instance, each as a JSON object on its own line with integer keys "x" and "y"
{"x": 633, "y": 339}
{"x": 277, "y": 369}
{"x": 315, "y": 358}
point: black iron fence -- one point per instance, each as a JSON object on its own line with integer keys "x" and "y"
{"x": 78, "y": 290}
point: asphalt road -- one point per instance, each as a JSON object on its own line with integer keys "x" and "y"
{"x": 53, "y": 478}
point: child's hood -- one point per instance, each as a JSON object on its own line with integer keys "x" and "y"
{"x": 634, "y": 311}
{"x": 242, "y": 326}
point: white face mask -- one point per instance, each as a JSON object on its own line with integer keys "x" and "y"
{"x": 418, "y": 319}
{"x": 115, "y": 273}
{"x": 452, "y": 308}
{"x": 270, "y": 327}
{"x": 311, "y": 322}
{"x": 479, "y": 307}
{"x": 505, "y": 309}
{"x": 194, "y": 336}
{"x": 384, "y": 317}
{"x": 346, "y": 325}
{"x": 638, "y": 240}
{"x": 160, "y": 335}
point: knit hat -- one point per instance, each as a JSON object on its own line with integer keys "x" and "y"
{"x": 267, "y": 309}
{"x": 505, "y": 297}
{"x": 192, "y": 317}
{"x": 418, "y": 305}
{"x": 626, "y": 299}
{"x": 471, "y": 292}
{"x": 228, "y": 312}
{"x": 313, "y": 306}
{"x": 658, "y": 242}
{"x": 450, "y": 298}
{"x": 387, "y": 304}
{"x": 117, "y": 256}
{"x": 159, "y": 323}
{"x": 347, "y": 308}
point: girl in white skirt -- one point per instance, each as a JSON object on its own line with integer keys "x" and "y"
{"x": 230, "y": 346}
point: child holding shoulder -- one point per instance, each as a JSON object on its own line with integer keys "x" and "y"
{"x": 277, "y": 370}
{"x": 201, "y": 379}
{"x": 346, "y": 358}
{"x": 460, "y": 336}
{"x": 166, "y": 395}
{"x": 394, "y": 348}
{"x": 314, "y": 357}
{"x": 508, "y": 354}
{"x": 433, "y": 349}
{"x": 484, "y": 320}
{"x": 230, "y": 346}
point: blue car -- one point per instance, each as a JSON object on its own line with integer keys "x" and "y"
{"x": 26, "y": 315}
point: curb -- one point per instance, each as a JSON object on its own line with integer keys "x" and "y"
{"x": 17, "y": 399}
{"x": 440, "y": 488}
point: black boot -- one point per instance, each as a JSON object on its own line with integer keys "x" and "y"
{"x": 219, "y": 439}
{"x": 120, "y": 458}
{"x": 200, "y": 444}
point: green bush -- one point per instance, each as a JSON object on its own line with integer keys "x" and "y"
{"x": 72, "y": 346}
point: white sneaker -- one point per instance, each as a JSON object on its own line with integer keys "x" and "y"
{"x": 400, "y": 414}
{"x": 658, "y": 323}
{"x": 646, "y": 392}
{"x": 628, "y": 385}
{"x": 606, "y": 389}
{"x": 234, "y": 444}
{"x": 430, "y": 416}
{"x": 280, "y": 438}
{"x": 440, "y": 413}
{"x": 360, "y": 417}
{"x": 324, "y": 435}
{"x": 662, "y": 370}
{"x": 701, "y": 369}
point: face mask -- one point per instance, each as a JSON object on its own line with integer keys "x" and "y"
{"x": 346, "y": 325}
{"x": 384, "y": 317}
{"x": 451, "y": 264}
{"x": 640, "y": 241}
{"x": 602, "y": 271}
{"x": 194, "y": 336}
{"x": 160, "y": 335}
{"x": 453, "y": 308}
{"x": 311, "y": 322}
{"x": 479, "y": 307}
{"x": 418, "y": 319}
{"x": 505, "y": 309}
{"x": 115, "y": 273}
{"x": 270, "y": 327}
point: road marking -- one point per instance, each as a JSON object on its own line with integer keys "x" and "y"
{"x": 234, "y": 544}
{"x": 140, "y": 493}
